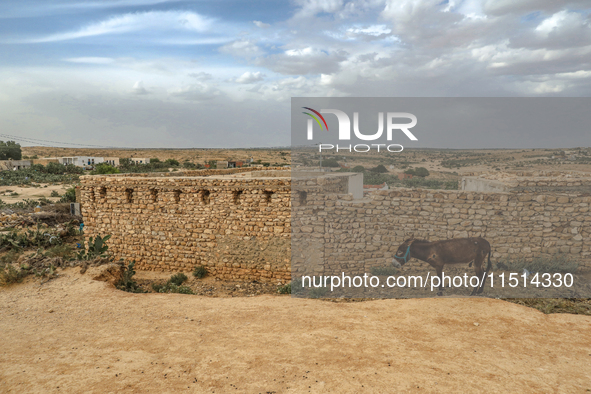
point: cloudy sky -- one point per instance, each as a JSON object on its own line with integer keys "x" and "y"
{"x": 220, "y": 73}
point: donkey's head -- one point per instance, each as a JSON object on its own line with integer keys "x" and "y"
{"x": 403, "y": 253}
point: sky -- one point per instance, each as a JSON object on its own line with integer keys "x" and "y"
{"x": 221, "y": 73}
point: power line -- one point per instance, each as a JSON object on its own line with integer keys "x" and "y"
{"x": 44, "y": 142}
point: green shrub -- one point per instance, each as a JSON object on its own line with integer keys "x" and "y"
{"x": 96, "y": 248}
{"x": 64, "y": 251}
{"x": 178, "y": 279}
{"x": 54, "y": 193}
{"x": 104, "y": 168}
{"x": 10, "y": 150}
{"x": 69, "y": 195}
{"x": 200, "y": 272}
{"x": 421, "y": 172}
{"x": 173, "y": 285}
{"x": 171, "y": 288}
{"x": 127, "y": 283}
{"x": 330, "y": 163}
{"x": 172, "y": 162}
{"x": 37, "y": 173}
{"x": 10, "y": 275}
{"x": 380, "y": 169}
{"x": 384, "y": 271}
{"x": 55, "y": 168}
{"x": 10, "y": 257}
{"x": 284, "y": 289}
{"x": 38, "y": 237}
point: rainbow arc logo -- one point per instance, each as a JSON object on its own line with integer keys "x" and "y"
{"x": 315, "y": 118}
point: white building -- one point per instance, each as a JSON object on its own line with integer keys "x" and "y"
{"x": 81, "y": 161}
{"x": 14, "y": 165}
{"x": 114, "y": 161}
{"x": 140, "y": 160}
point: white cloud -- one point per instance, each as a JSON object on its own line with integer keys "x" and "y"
{"x": 374, "y": 30}
{"x": 312, "y": 7}
{"x": 556, "y": 21}
{"x": 242, "y": 48}
{"x": 261, "y": 24}
{"x": 138, "y": 88}
{"x": 195, "y": 92}
{"x": 250, "y": 77}
{"x": 308, "y": 51}
{"x": 201, "y": 76}
{"x": 303, "y": 61}
{"x": 151, "y": 20}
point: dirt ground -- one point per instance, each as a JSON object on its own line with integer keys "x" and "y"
{"x": 74, "y": 334}
{"x": 31, "y": 193}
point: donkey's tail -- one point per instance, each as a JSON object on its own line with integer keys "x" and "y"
{"x": 488, "y": 266}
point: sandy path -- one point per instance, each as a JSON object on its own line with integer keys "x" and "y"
{"x": 100, "y": 340}
{"x": 32, "y": 193}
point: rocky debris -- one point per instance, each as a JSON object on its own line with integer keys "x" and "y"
{"x": 10, "y": 219}
{"x": 110, "y": 273}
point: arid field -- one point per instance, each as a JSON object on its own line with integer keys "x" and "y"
{"x": 74, "y": 334}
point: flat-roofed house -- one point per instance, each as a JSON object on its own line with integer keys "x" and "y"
{"x": 14, "y": 165}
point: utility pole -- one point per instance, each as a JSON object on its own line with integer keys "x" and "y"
{"x": 320, "y": 161}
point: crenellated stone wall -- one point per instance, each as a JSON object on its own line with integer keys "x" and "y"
{"x": 237, "y": 228}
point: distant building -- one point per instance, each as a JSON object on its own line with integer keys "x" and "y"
{"x": 235, "y": 164}
{"x": 114, "y": 161}
{"x": 14, "y": 165}
{"x": 139, "y": 160}
{"x": 220, "y": 164}
{"x": 402, "y": 176}
{"x": 80, "y": 161}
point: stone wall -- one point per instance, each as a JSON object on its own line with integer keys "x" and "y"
{"x": 355, "y": 235}
{"x": 241, "y": 227}
{"x": 528, "y": 181}
{"x": 237, "y": 228}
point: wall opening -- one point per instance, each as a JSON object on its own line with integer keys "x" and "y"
{"x": 93, "y": 195}
{"x": 205, "y": 196}
{"x": 102, "y": 192}
{"x": 236, "y": 196}
{"x": 153, "y": 195}
{"x": 177, "y": 196}
{"x": 303, "y": 198}
{"x": 129, "y": 195}
{"x": 268, "y": 195}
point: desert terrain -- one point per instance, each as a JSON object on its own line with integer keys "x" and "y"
{"x": 75, "y": 334}
{"x": 71, "y": 332}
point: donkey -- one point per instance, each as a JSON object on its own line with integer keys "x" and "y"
{"x": 449, "y": 251}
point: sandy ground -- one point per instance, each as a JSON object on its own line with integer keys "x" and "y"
{"x": 31, "y": 193}
{"x": 74, "y": 335}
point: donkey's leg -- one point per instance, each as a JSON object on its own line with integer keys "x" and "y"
{"x": 485, "y": 272}
{"x": 439, "y": 269}
{"x": 479, "y": 273}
